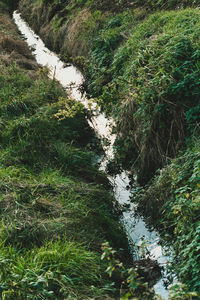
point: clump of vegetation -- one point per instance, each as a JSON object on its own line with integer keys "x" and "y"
{"x": 172, "y": 4}
{"x": 53, "y": 270}
{"x": 114, "y": 5}
{"x": 132, "y": 285}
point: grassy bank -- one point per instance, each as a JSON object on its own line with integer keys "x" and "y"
{"x": 55, "y": 206}
{"x": 141, "y": 66}
{"x": 150, "y": 84}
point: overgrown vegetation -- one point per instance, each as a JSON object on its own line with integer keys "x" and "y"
{"x": 121, "y": 4}
{"x": 141, "y": 62}
{"x": 153, "y": 80}
{"x": 143, "y": 69}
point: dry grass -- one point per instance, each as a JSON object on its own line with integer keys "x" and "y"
{"x": 9, "y": 45}
{"x": 66, "y": 38}
{"x": 151, "y": 146}
{"x": 75, "y": 46}
{"x": 13, "y": 49}
{"x": 6, "y": 25}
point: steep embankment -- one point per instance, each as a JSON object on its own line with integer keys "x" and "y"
{"x": 55, "y": 206}
{"x": 142, "y": 66}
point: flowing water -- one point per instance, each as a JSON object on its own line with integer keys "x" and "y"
{"x": 71, "y": 79}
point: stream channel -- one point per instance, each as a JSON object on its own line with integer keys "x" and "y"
{"x": 71, "y": 79}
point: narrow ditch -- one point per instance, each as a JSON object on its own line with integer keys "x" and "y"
{"x": 141, "y": 239}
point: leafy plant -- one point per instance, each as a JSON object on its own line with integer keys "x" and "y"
{"x": 131, "y": 285}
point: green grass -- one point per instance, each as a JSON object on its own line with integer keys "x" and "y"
{"x": 55, "y": 206}
{"x": 150, "y": 4}
{"x": 164, "y": 4}
{"x": 31, "y": 134}
{"x": 55, "y": 270}
{"x": 49, "y": 206}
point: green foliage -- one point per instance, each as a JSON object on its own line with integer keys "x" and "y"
{"x": 69, "y": 109}
{"x": 173, "y": 201}
{"x": 102, "y": 52}
{"x": 131, "y": 285}
{"x": 122, "y": 4}
{"x": 57, "y": 22}
{"x": 167, "y": 4}
{"x": 179, "y": 291}
{"x": 50, "y": 271}
{"x": 31, "y": 134}
{"x": 143, "y": 68}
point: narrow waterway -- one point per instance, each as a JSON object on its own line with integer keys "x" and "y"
{"x": 71, "y": 79}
